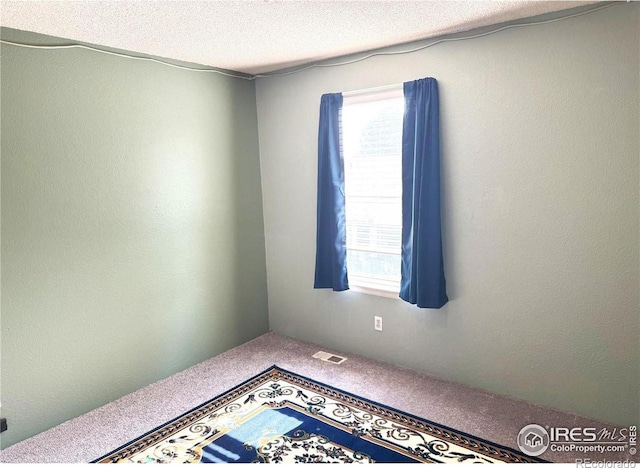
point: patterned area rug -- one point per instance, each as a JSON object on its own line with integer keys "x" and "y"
{"x": 278, "y": 416}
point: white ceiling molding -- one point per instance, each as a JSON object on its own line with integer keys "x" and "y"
{"x": 258, "y": 36}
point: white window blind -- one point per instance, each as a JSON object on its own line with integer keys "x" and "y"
{"x": 372, "y": 151}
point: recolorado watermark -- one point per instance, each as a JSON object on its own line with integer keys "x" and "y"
{"x": 534, "y": 440}
{"x": 586, "y": 463}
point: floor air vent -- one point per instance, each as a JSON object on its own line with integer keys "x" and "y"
{"x": 332, "y": 358}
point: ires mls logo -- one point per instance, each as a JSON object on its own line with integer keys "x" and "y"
{"x": 534, "y": 439}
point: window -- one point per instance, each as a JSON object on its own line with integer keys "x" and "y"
{"x": 372, "y": 150}
{"x": 381, "y": 214}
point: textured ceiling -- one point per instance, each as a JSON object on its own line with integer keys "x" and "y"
{"x": 259, "y": 36}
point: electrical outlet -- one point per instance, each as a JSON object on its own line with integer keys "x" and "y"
{"x": 377, "y": 323}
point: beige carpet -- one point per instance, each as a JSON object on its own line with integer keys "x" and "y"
{"x": 485, "y": 415}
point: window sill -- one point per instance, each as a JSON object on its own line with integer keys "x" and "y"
{"x": 391, "y": 294}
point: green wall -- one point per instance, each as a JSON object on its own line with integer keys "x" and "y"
{"x": 540, "y": 171}
{"x": 132, "y": 227}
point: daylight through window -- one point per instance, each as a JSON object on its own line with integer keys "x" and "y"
{"x": 372, "y": 151}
